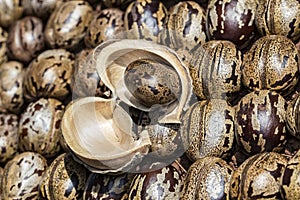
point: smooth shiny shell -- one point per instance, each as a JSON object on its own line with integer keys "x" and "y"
{"x": 279, "y": 17}
{"x": 260, "y": 177}
{"x": 10, "y": 11}
{"x": 145, "y": 19}
{"x": 3, "y": 47}
{"x": 25, "y": 39}
{"x": 22, "y": 175}
{"x": 101, "y": 187}
{"x": 271, "y": 63}
{"x": 232, "y": 20}
{"x": 216, "y": 70}
{"x": 208, "y": 129}
{"x": 186, "y": 25}
{"x": 152, "y": 82}
{"x": 49, "y": 75}
{"x": 207, "y": 178}
{"x": 86, "y": 80}
{"x": 293, "y": 117}
{"x": 11, "y": 86}
{"x": 165, "y": 183}
{"x": 67, "y": 24}
{"x": 260, "y": 121}
{"x": 106, "y": 25}
{"x": 64, "y": 179}
{"x": 9, "y": 138}
{"x": 40, "y": 8}
{"x": 290, "y": 184}
{"x": 39, "y": 128}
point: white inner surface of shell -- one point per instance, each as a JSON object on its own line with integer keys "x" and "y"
{"x": 99, "y": 133}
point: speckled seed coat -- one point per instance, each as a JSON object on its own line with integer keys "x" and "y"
{"x": 290, "y": 180}
{"x": 236, "y": 178}
{"x": 232, "y": 20}
{"x": 208, "y": 129}
{"x": 145, "y": 19}
{"x": 216, "y": 70}
{"x": 9, "y": 138}
{"x": 85, "y": 79}
{"x": 26, "y": 39}
{"x": 3, "y": 47}
{"x": 39, "y": 128}
{"x": 271, "y": 63}
{"x": 152, "y": 82}
{"x": 49, "y": 75}
{"x": 40, "y": 8}
{"x": 186, "y": 25}
{"x": 10, "y": 11}
{"x": 67, "y": 24}
{"x": 22, "y": 175}
{"x": 207, "y": 178}
{"x": 64, "y": 179}
{"x": 293, "y": 117}
{"x": 279, "y": 17}
{"x": 165, "y": 183}
{"x": 260, "y": 178}
{"x": 11, "y": 86}
{"x": 102, "y": 187}
{"x": 260, "y": 122}
{"x": 106, "y": 25}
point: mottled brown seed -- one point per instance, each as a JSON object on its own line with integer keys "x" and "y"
{"x": 232, "y": 20}
{"x": 145, "y": 19}
{"x": 260, "y": 122}
{"x": 10, "y": 11}
{"x": 208, "y": 129}
{"x": 67, "y": 24}
{"x": 64, "y": 179}
{"x": 25, "y": 39}
{"x": 152, "y": 82}
{"x": 259, "y": 177}
{"x": 11, "y": 86}
{"x": 271, "y": 63}
{"x": 8, "y": 136}
{"x": 49, "y": 75}
{"x": 186, "y": 25}
{"x": 216, "y": 70}
{"x": 39, "y": 128}
{"x": 22, "y": 175}
{"x": 165, "y": 183}
{"x": 207, "y": 178}
{"x": 290, "y": 184}
{"x": 293, "y": 117}
{"x": 3, "y": 47}
{"x": 100, "y": 186}
{"x": 104, "y": 26}
{"x": 279, "y": 17}
{"x": 40, "y": 8}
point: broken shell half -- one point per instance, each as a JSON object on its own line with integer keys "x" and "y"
{"x": 113, "y": 57}
{"x": 99, "y": 134}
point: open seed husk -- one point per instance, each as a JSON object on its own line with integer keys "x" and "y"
{"x": 99, "y": 134}
{"x": 114, "y": 56}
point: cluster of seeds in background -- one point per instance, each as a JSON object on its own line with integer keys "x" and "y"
{"x": 238, "y": 138}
